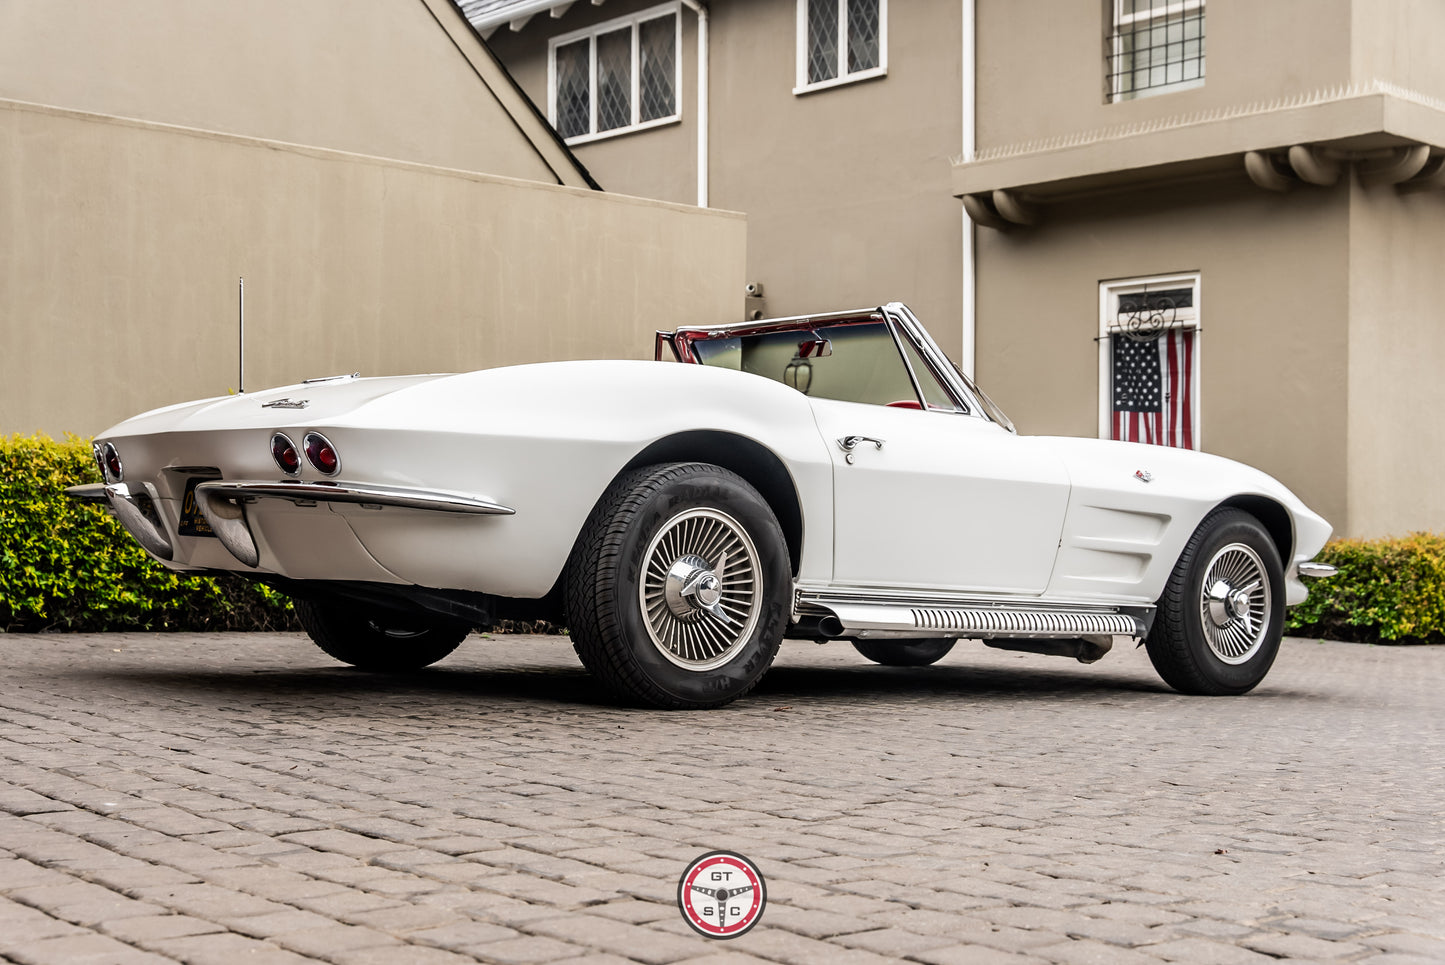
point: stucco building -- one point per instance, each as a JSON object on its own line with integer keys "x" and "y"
{"x": 1210, "y": 223}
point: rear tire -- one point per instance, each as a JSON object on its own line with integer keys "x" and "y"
{"x": 905, "y": 653}
{"x": 377, "y": 640}
{"x": 677, "y": 591}
{"x": 1221, "y": 617}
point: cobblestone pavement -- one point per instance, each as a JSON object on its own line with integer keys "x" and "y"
{"x": 239, "y": 798}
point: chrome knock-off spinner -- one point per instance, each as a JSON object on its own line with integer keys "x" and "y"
{"x": 693, "y": 585}
{"x": 699, "y": 589}
{"x": 1235, "y": 603}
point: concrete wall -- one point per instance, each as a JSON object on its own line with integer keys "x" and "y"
{"x": 390, "y": 78}
{"x": 846, "y": 190}
{"x": 1399, "y": 41}
{"x": 121, "y": 243}
{"x": 1274, "y": 315}
{"x": 1396, "y": 455}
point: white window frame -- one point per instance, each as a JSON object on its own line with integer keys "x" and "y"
{"x": 1120, "y": 19}
{"x": 632, "y": 21}
{"x": 1185, "y": 318}
{"x": 803, "y": 87}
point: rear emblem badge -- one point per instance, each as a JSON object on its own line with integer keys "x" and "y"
{"x": 286, "y": 404}
{"x": 1143, "y": 475}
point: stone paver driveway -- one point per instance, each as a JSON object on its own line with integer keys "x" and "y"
{"x": 239, "y": 798}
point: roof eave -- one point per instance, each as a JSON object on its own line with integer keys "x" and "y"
{"x": 519, "y": 13}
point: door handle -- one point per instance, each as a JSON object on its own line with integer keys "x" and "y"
{"x": 849, "y": 443}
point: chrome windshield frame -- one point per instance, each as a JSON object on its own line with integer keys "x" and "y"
{"x": 954, "y": 381}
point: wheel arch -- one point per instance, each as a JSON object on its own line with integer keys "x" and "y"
{"x": 750, "y": 459}
{"x": 1273, "y": 517}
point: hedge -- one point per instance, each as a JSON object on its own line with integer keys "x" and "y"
{"x": 70, "y": 566}
{"x": 1387, "y": 591}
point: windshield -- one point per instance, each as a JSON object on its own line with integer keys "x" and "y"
{"x": 863, "y": 359}
{"x": 849, "y": 363}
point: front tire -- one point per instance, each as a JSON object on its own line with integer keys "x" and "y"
{"x": 1221, "y": 617}
{"x": 377, "y": 640}
{"x": 905, "y": 653}
{"x": 678, "y": 587}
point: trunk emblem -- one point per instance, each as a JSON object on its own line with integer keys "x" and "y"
{"x": 1143, "y": 475}
{"x": 286, "y": 404}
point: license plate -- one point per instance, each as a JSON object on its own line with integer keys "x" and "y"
{"x": 192, "y": 522}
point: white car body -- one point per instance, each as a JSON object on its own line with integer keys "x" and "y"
{"x": 988, "y": 533}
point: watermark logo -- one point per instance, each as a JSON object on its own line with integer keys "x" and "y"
{"x": 721, "y": 894}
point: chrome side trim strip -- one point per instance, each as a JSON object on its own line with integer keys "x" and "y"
{"x": 434, "y": 500}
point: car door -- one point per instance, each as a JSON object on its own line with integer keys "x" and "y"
{"x": 940, "y": 499}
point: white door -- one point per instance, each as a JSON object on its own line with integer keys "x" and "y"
{"x": 946, "y": 501}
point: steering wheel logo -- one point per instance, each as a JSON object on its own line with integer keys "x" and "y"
{"x": 721, "y": 894}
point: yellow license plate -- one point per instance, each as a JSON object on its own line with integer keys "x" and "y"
{"x": 192, "y": 522}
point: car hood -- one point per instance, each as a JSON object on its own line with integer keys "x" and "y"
{"x": 1103, "y": 463}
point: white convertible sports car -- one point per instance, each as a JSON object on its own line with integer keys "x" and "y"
{"x": 830, "y": 477}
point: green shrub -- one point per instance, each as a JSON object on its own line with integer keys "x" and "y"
{"x": 66, "y": 565}
{"x": 1387, "y": 591}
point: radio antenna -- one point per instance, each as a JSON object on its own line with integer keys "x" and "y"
{"x": 241, "y": 333}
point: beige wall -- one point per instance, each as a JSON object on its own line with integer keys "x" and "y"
{"x": 390, "y": 78}
{"x": 1398, "y": 41}
{"x": 1274, "y": 299}
{"x": 1048, "y": 82}
{"x": 846, "y": 190}
{"x": 121, "y": 243}
{"x": 1396, "y": 456}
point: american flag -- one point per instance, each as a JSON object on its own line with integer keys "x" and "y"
{"x": 1153, "y": 389}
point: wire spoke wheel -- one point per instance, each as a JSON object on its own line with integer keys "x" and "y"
{"x": 677, "y": 590}
{"x": 699, "y": 589}
{"x": 1234, "y": 603}
{"x": 1220, "y": 618}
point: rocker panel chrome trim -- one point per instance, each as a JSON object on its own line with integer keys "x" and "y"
{"x": 898, "y": 612}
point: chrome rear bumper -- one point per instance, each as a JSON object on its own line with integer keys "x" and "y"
{"x": 223, "y": 504}
{"x": 1316, "y": 571}
{"x": 135, "y": 505}
{"x": 365, "y": 494}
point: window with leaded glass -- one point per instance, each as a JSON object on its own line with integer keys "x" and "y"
{"x": 616, "y": 77}
{"x": 841, "y": 41}
{"x": 1154, "y": 47}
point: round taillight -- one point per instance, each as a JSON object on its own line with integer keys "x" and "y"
{"x": 321, "y": 453}
{"x": 283, "y": 450}
{"x": 111, "y": 462}
{"x": 95, "y": 450}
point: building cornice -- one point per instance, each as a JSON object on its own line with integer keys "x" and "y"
{"x": 1361, "y": 124}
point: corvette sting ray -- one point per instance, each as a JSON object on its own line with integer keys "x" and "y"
{"x": 828, "y": 477}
